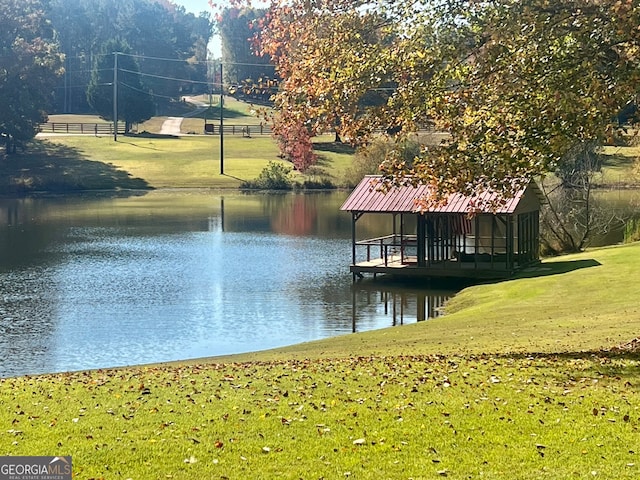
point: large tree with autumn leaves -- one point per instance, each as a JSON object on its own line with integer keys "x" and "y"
{"x": 518, "y": 84}
{"x": 30, "y": 63}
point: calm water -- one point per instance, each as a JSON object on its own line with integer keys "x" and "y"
{"x": 101, "y": 281}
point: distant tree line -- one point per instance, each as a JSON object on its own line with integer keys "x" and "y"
{"x": 248, "y": 75}
{"x": 57, "y": 56}
{"x": 156, "y": 30}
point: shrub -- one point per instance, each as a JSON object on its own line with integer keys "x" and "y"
{"x": 320, "y": 184}
{"x": 368, "y": 159}
{"x": 275, "y": 176}
{"x": 632, "y": 230}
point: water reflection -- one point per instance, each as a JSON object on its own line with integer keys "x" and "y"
{"x": 95, "y": 281}
{"x": 26, "y": 321}
{"x": 400, "y": 304}
{"x": 99, "y": 281}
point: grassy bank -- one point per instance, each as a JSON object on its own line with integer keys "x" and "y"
{"x": 573, "y": 303}
{"x": 518, "y": 381}
{"x": 70, "y": 163}
{"x": 60, "y": 163}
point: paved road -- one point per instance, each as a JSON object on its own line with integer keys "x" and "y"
{"x": 171, "y": 125}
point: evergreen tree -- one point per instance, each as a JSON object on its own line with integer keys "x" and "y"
{"x": 250, "y": 74}
{"x": 135, "y": 103}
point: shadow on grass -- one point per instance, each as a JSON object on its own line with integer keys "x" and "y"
{"x": 159, "y": 136}
{"x": 334, "y": 147}
{"x": 213, "y": 113}
{"x": 235, "y": 178}
{"x": 175, "y": 109}
{"x": 618, "y": 160}
{"x": 616, "y": 365}
{"x": 556, "y": 268}
{"x": 51, "y": 167}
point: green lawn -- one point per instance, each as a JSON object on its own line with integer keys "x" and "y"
{"x": 61, "y": 163}
{"x": 181, "y": 162}
{"x": 65, "y": 163}
{"x": 517, "y": 381}
{"x": 619, "y": 165}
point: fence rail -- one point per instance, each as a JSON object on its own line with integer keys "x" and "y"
{"x": 107, "y": 129}
{"x": 244, "y": 130}
{"x": 208, "y": 129}
{"x": 81, "y": 128}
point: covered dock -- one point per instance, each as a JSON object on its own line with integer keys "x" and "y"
{"x": 451, "y": 240}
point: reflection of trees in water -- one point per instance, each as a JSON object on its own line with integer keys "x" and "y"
{"x": 305, "y": 214}
{"x": 297, "y": 218}
{"x": 301, "y": 214}
{"x": 22, "y": 240}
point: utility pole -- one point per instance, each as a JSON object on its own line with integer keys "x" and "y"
{"x": 115, "y": 96}
{"x": 66, "y": 84}
{"x": 221, "y": 122}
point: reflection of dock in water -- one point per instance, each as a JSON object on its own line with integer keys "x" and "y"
{"x": 399, "y": 303}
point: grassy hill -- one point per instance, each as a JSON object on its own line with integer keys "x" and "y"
{"x": 521, "y": 380}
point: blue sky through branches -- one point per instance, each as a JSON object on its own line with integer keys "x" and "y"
{"x": 194, "y": 6}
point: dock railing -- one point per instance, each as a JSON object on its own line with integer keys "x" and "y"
{"x": 396, "y": 248}
{"x": 390, "y": 248}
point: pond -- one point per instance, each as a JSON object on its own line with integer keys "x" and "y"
{"x": 103, "y": 280}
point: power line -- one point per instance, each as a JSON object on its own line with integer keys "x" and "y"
{"x": 146, "y": 92}
{"x": 169, "y": 78}
{"x": 206, "y": 62}
{"x": 146, "y": 57}
{"x": 161, "y": 77}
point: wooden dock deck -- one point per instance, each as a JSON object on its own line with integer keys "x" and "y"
{"x": 395, "y": 265}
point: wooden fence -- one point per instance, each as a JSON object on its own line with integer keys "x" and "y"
{"x": 80, "y": 128}
{"x": 107, "y": 129}
{"x": 244, "y": 130}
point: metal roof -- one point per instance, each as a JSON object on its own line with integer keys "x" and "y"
{"x": 367, "y": 197}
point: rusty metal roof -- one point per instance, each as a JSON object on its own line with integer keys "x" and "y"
{"x": 367, "y": 197}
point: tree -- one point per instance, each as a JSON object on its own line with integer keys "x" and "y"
{"x": 247, "y": 73}
{"x": 333, "y": 64}
{"x": 159, "y": 34}
{"x": 135, "y": 104}
{"x": 517, "y": 84}
{"x": 171, "y": 44}
{"x": 572, "y": 216}
{"x": 70, "y": 20}
{"x": 236, "y": 29}
{"x": 29, "y": 65}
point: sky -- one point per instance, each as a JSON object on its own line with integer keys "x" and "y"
{"x": 194, "y": 6}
